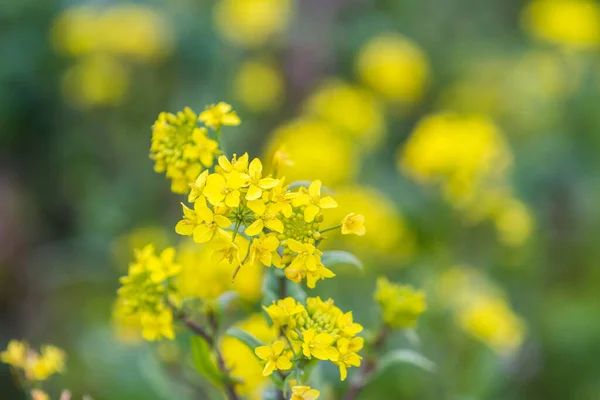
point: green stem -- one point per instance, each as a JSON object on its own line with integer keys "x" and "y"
{"x": 330, "y": 228}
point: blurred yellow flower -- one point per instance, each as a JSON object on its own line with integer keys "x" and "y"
{"x": 480, "y": 309}
{"x": 317, "y": 150}
{"x": 514, "y": 222}
{"x": 124, "y": 29}
{"x": 242, "y": 360}
{"x": 349, "y": 109}
{"x": 304, "y": 393}
{"x": 394, "y": 66}
{"x": 95, "y": 80}
{"x": 219, "y": 114}
{"x": 204, "y": 278}
{"x": 462, "y": 153}
{"x": 258, "y": 85}
{"x": 251, "y": 23}
{"x": 127, "y": 326}
{"x": 392, "y": 236}
{"x": 37, "y": 394}
{"x": 573, "y": 24}
{"x": 401, "y": 305}
{"x": 490, "y": 320}
{"x": 15, "y": 354}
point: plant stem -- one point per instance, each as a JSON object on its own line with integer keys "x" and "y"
{"x": 367, "y": 368}
{"x": 330, "y": 228}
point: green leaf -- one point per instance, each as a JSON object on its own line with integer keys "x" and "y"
{"x": 204, "y": 361}
{"x": 244, "y": 337}
{"x": 338, "y": 257}
{"x": 402, "y": 356}
{"x": 225, "y": 300}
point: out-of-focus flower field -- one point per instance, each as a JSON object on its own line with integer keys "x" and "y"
{"x": 466, "y": 132}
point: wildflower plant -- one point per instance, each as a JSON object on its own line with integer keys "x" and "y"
{"x": 244, "y": 216}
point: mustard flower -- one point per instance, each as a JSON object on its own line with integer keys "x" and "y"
{"x": 304, "y": 393}
{"x": 401, "y": 305}
{"x": 319, "y": 345}
{"x": 275, "y": 356}
{"x": 348, "y": 354}
{"x": 313, "y": 201}
{"x": 201, "y": 222}
{"x": 219, "y": 114}
{"x": 15, "y": 354}
{"x": 353, "y": 223}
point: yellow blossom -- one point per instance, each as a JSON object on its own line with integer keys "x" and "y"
{"x": 275, "y": 357}
{"x": 284, "y": 311}
{"x": 266, "y": 216}
{"x": 280, "y": 158}
{"x": 401, "y": 305}
{"x": 348, "y": 357}
{"x": 353, "y": 223}
{"x": 304, "y": 393}
{"x": 257, "y": 182}
{"x": 264, "y": 249}
{"x": 41, "y": 366}
{"x": 251, "y": 23}
{"x": 219, "y": 114}
{"x": 15, "y": 354}
{"x": 394, "y": 66}
{"x": 197, "y": 187}
{"x": 181, "y": 149}
{"x": 313, "y": 201}
{"x": 224, "y": 188}
{"x": 318, "y": 345}
{"x": 201, "y": 222}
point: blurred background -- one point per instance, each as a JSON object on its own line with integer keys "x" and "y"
{"x": 466, "y": 131}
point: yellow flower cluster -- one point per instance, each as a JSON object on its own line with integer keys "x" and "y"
{"x": 181, "y": 149}
{"x": 401, "y": 305}
{"x": 35, "y": 366}
{"x": 282, "y": 224}
{"x": 481, "y": 309}
{"x": 147, "y": 289}
{"x": 304, "y": 393}
{"x": 318, "y": 330}
{"x": 474, "y": 175}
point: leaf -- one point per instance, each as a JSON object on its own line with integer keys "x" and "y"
{"x": 225, "y": 300}
{"x": 244, "y": 337}
{"x": 204, "y": 361}
{"x": 151, "y": 370}
{"x": 402, "y": 356}
{"x": 338, "y": 257}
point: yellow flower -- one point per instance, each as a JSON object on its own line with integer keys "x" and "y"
{"x": 265, "y": 216}
{"x": 353, "y": 223}
{"x": 313, "y": 201}
{"x": 37, "y": 394}
{"x": 489, "y": 319}
{"x": 348, "y": 327}
{"x": 181, "y": 149}
{"x": 307, "y": 263}
{"x": 318, "y": 345}
{"x": 236, "y": 164}
{"x": 251, "y": 23}
{"x": 514, "y": 222}
{"x": 401, "y": 305}
{"x": 15, "y": 354}
{"x": 197, "y": 187}
{"x": 280, "y": 158}
{"x": 394, "y": 66}
{"x": 258, "y": 85}
{"x": 221, "y": 188}
{"x": 304, "y": 393}
{"x": 274, "y": 356}
{"x": 219, "y": 114}
{"x": 351, "y": 110}
{"x": 157, "y": 325}
{"x": 201, "y": 222}
{"x": 332, "y": 160}
{"x": 41, "y": 367}
{"x": 284, "y": 311}
{"x": 571, "y": 23}
{"x": 348, "y": 357}
{"x": 264, "y": 249}
{"x": 257, "y": 182}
